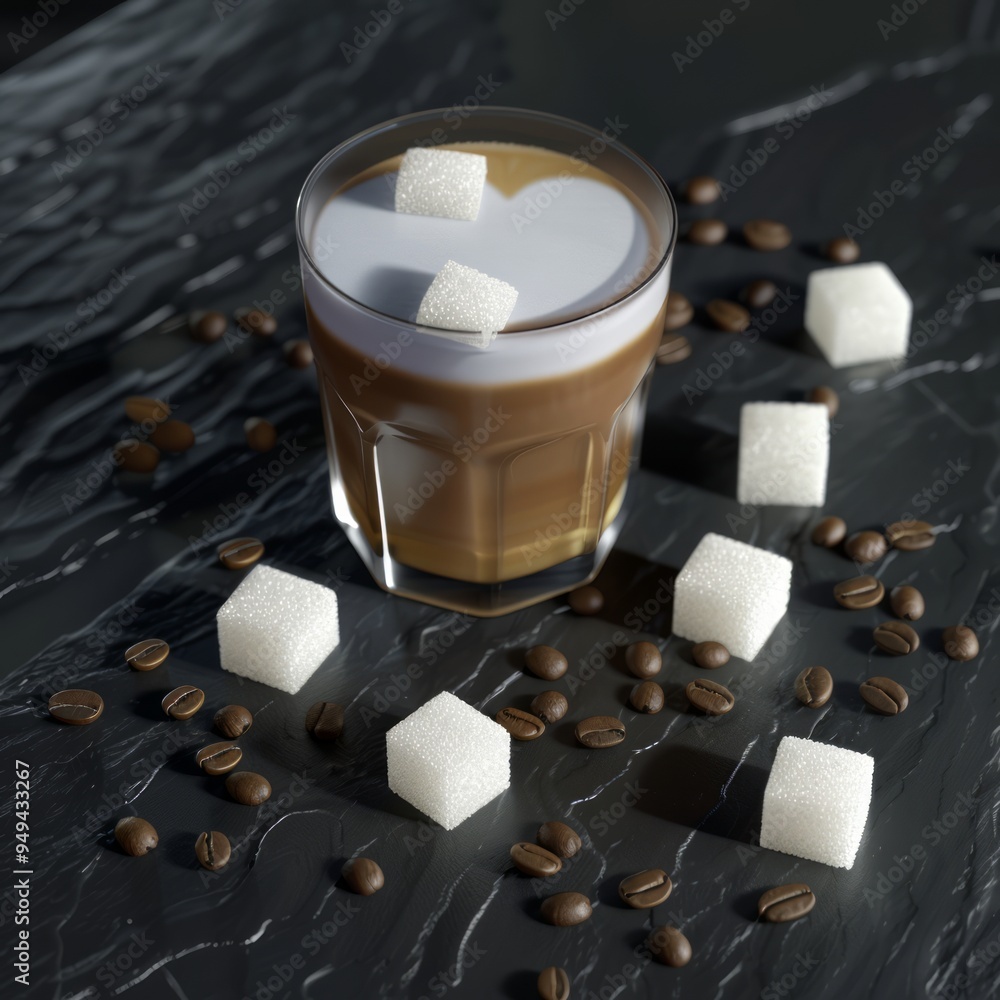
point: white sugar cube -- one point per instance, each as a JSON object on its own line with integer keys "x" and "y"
{"x": 816, "y": 801}
{"x": 277, "y": 628}
{"x": 732, "y": 593}
{"x": 784, "y": 454}
{"x": 462, "y": 298}
{"x": 441, "y": 182}
{"x": 858, "y": 313}
{"x": 448, "y": 760}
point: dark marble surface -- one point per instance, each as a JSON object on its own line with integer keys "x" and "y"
{"x": 91, "y": 561}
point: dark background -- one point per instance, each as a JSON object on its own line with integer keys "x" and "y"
{"x": 91, "y": 561}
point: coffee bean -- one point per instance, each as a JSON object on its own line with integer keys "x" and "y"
{"x": 546, "y": 662}
{"x": 842, "y": 250}
{"x": 565, "y": 909}
{"x": 325, "y": 721}
{"x": 260, "y": 434}
{"x": 600, "y": 731}
{"x": 255, "y": 321}
{"x": 669, "y": 946}
{"x": 711, "y": 698}
{"x": 218, "y": 758}
{"x": 679, "y": 312}
{"x": 829, "y": 532}
{"x": 521, "y": 725}
{"x": 549, "y": 706}
{"x": 232, "y": 721}
{"x": 728, "y": 316}
{"x": 248, "y": 787}
{"x": 674, "y": 348}
{"x": 866, "y": 546}
{"x": 701, "y": 190}
{"x": 708, "y": 232}
{"x": 208, "y": 327}
{"x": 586, "y": 600}
{"x": 766, "y": 234}
{"x": 76, "y": 706}
{"x": 759, "y": 294}
{"x": 825, "y": 395}
{"x": 135, "y": 836}
{"x": 859, "y": 592}
{"x": 298, "y": 354}
{"x": 240, "y": 552}
{"x": 646, "y": 889}
{"x": 906, "y": 602}
{"x": 363, "y": 876}
{"x": 534, "y": 860}
{"x": 213, "y": 850}
{"x": 147, "y": 654}
{"x": 136, "y": 456}
{"x": 785, "y": 903}
{"x": 910, "y": 536}
{"x": 897, "y": 638}
{"x": 643, "y": 659}
{"x": 960, "y": 643}
{"x": 183, "y": 701}
{"x": 173, "y": 436}
{"x": 884, "y": 695}
{"x": 140, "y": 409}
{"x": 647, "y": 697}
{"x": 710, "y": 655}
{"x": 553, "y": 983}
{"x": 560, "y": 839}
{"x": 814, "y": 686}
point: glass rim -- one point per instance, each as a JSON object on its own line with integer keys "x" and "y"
{"x": 482, "y": 112}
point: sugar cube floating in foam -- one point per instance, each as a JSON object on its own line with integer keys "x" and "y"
{"x": 858, "y": 313}
{"x": 440, "y": 182}
{"x": 462, "y": 298}
{"x": 784, "y": 454}
{"x": 277, "y": 628}
{"x": 448, "y": 760}
{"x": 816, "y": 801}
{"x": 732, "y": 593}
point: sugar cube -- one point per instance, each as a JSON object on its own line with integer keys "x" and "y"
{"x": 858, "y": 313}
{"x": 816, "y": 801}
{"x": 441, "y": 182}
{"x": 784, "y": 454}
{"x": 277, "y": 628}
{"x": 732, "y": 593}
{"x": 462, "y": 298}
{"x": 447, "y": 759}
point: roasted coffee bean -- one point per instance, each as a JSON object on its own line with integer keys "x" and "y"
{"x": 218, "y": 758}
{"x": 256, "y": 321}
{"x": 565, "y": 909}
{"x": 213, "y": 850}
{"x": 260, "y": 434}
{"x": 960, "y": 643}
{"x": 325, "y": 721}
{"x": 669, "y": 946}
{"x": 600, "y": 731}
{"x": 136, "y": 456}
{"x": 711, "y": 698}
{"x": 759, "y": 294}
{"x": 842, "y": 250}
{"x": 248, "y": 787}
{"x": 785, "y": 903}
{"x": 521, "y": 725}
{"x": 866, "y": 546}
{"x": 910, "y": 536}
{"x": 674, "y": 347}
{"x": 708, "y": 232}
{"x": 183, "y": 701}
{"x": 147, "y": 654}
{"x": 546, "y": 662}
{"x": 897, "y": 638}
{"x": 208, "y": 327}
{"x": 814, "y": 686}
{"x": 646, "y": 889}
{"x": 141, "y": 409}
{"x": 829, "y": 532}
{"x": 643, "y": 659}
{"x": 906, "y": 602}
{"x": 135, "y": 836}
{"x": 173, "y": 436}
{"x": 298, "y": 354}
{"x": 534, "y": 860}
{"x": 549, "y": 706}
{"x": 232, "y": 721}
{"x": 710, "y": 655}
{"x": 679, "y": 312}
{"x": 701, "y": 190}
{"x": 238, "y": 553}
{"x": 76, "y": 706}
{"x": 859, "y": 592}
{"x": 825, "y": 395}
{"x": 586, "y": 600}
{"x": 647, "y": 697}
{"x": 728, "y": 316}
{"x": 553, "y": 983}
{"x": 560, "y": 839}
{"x": 766, "y": 234}
{"x": 884, "y": 695}
{"x": 363, "y": 876}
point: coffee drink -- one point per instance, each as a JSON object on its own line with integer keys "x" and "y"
{"x": 534, "y": 860}
{"x": 76, "y": 707}
{"x": 785, "y": 903}
{"x": 363, "y": 876}
{"x": 600, "y": 731}
{"x": 565, "y": 909}
{"x": 213, "y": 850}
{"x": 135, "y": 836}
